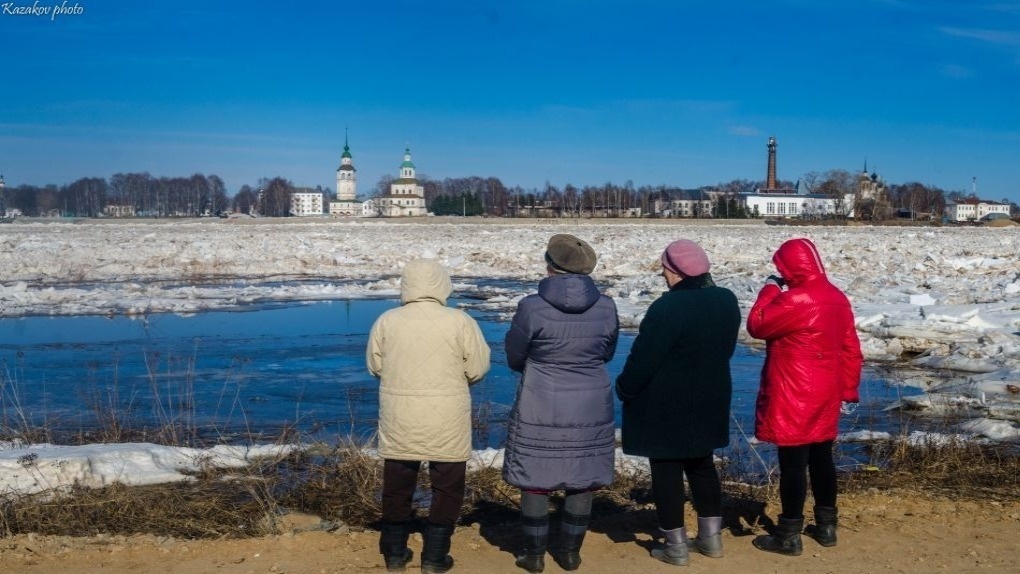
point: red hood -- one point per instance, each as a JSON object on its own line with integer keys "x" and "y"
{"x": 797, "y": 260}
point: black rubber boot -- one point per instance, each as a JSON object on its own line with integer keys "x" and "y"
{"x": 393, "y": 545}
{"x": 572, "y": 531}
{"x": 435, "y": 554}
{"x": 824, "y": 528}
{"x": 785, "y": 538}
{"x": 535, "y": 536}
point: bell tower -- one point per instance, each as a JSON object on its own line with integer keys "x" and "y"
{"x": 346, "y": 176}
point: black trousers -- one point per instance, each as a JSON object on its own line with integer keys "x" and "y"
{"x": 795, "y": 462}
{"x": 668, "y": 489}
{"x": 400, "y": 478}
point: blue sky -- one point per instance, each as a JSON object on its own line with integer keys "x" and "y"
{"x": 582, "y": 92}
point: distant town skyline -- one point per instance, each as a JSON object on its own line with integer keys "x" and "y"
{"x": 678, "y": 94}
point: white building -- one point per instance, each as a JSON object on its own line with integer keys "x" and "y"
{"x": 346, "y": 203}
{"x": 369, "y": 208}
{"x": 306, "y": 203}
{"x": 973, "y": 209}
{"x": 805, "y": 205}
{"x": 119, "y": 210}
{"x": 406, "y": 197}
{"x": 685, "y": 203}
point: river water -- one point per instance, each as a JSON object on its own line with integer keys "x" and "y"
{"x": 275, "y": 369}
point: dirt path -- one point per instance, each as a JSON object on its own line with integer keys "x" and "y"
{"x": 879, "y": 532}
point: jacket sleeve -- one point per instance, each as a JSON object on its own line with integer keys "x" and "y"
{"x": 852, "y": 362}
{"x": 373, "y": 353}
{"x": 476, "y": 351}
{"x": 518, "y": 339}
{"x": 647, "y": 355}
{"x": 773, "y": 316}
{"x": 614, "y": 337}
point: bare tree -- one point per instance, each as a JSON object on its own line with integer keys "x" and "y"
{"x": 572, "y": 200}
{"x": 244, "y": 200}
{"x": 275, "y": 197}
{"x": 382, "y": 187}
{"x": 217, "y": 195}
{"x": 837, "y": 184}
{"x": 84, "y": 197}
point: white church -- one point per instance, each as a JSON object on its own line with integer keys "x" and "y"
{"x": 406, "y": 197}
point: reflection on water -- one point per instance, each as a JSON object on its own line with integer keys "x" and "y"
{"x": 238, "y": 374}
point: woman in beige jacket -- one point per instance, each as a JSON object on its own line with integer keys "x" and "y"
{"x": 425, "y": 355}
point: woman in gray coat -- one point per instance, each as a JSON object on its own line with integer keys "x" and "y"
{"x": 561, "y": 434}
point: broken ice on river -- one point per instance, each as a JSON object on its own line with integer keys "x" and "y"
{"x": 941, "y": 305}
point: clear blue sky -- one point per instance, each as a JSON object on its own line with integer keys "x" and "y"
{"x": 584, "y": 92}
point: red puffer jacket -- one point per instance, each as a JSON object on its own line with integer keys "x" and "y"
{"x": 812, "y": 354}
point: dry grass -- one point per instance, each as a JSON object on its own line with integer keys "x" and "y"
{"x": 963, "y": 469}
{"x": 342, "y": 484}
{"x": 201, "y": 509}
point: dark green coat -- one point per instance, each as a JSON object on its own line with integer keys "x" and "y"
{"x": 676, "y": 385}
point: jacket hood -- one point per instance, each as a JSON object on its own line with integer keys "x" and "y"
{"x": 569, "y": 293}
{"x": 425, "y": 280}
{"x": 798, "y": 260}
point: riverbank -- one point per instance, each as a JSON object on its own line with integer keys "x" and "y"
{"x": 922, "y": 507}
{"x": 891, "y": 531}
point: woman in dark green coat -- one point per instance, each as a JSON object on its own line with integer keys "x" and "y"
{"x": 675, "y": 388}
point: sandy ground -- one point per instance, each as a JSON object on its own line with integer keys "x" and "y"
{"x": 879, "y": 532}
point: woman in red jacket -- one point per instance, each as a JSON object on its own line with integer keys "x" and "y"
{"x": 812, "y": 364}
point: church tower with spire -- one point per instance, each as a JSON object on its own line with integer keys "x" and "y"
{"x": 346, "y": 203}
{"x": 346, "y": 176}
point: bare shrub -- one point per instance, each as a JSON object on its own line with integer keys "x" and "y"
{"x": 952, "y": 466}
{"x": 200, "y": 509}
{"x": 342, "y": 484}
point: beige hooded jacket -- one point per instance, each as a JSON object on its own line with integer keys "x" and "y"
{"x": 425, "y": 355}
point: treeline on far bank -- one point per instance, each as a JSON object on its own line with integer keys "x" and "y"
{"x": 199, "y": 194}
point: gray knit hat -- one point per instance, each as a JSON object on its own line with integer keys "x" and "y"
{"x": 568, "y": 254}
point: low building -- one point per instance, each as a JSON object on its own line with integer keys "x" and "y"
{"x": 345, "y": 208}
{"x": 119, "y": 210}
{"x": 973, "y": 209}
{"x": 799, "y": 205}
{"x": 684, "y": 203}
{"x": 370, "y": 208}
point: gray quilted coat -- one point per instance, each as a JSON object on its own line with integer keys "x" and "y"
{"x": 561, "y": 433}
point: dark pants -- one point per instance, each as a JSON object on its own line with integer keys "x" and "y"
{"x": 668, "y": 489}
{"x": 795, "y": 462}
{"x": 400, "y": 478}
